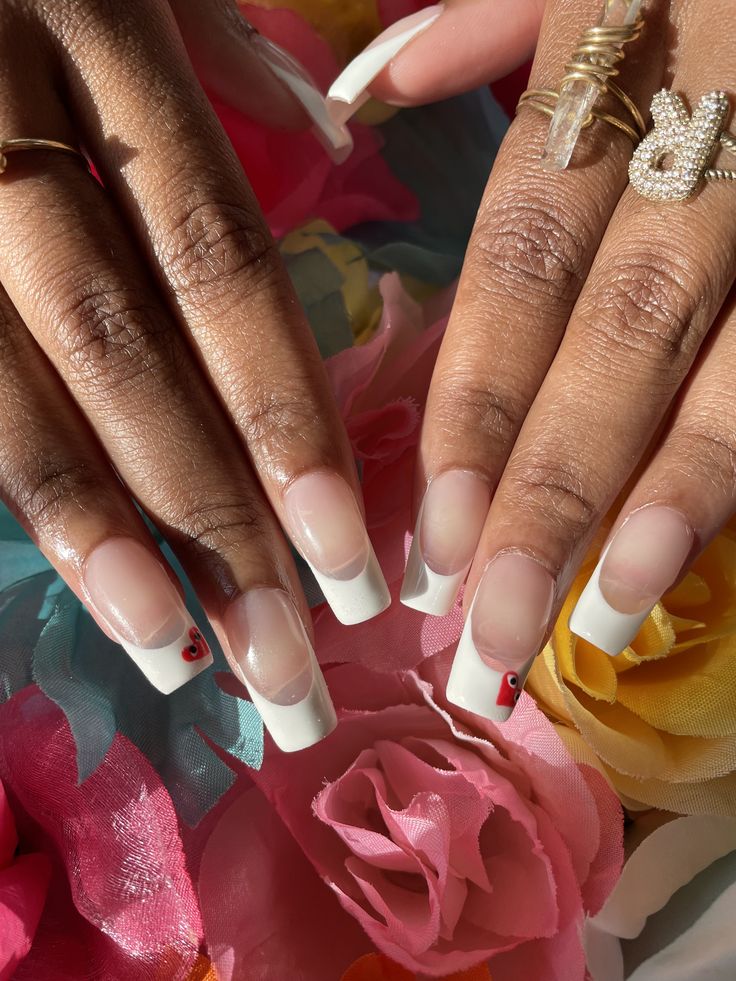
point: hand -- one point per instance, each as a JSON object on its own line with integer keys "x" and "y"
{"x": 153, "y": 348}
{"x": 590, "y": 349}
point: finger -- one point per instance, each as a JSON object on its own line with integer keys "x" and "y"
{"x": 196, "y": 217}
{"x": 534, "y": 240}
{"x": 439, "y": 52}
{"x": 681, "y": 501}
{"x": 659, "y": 279}
{"x": 252, "y": 73}
{"x": 90, "y": 304}
{"x": 55, "y": 479}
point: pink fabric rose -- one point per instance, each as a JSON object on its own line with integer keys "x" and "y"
{"x": 24, "y": 882}
{"x": 451, "y": 846}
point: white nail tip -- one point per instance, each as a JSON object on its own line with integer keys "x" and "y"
{"x": 332, "y": 134}
{"x": 425, "y": 590}
{"x": 295, "y": 727}
{"x": 475, "y": 686}
{"x": 596, "y": 621}
{"x": 350, "y": 85}
{"x": 168, "y": 668}
{"x": 358, "y": 599}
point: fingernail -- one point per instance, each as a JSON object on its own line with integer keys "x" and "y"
{"x": 279, "y": 669}
{"x": 448, "y": 528}
{"x": 502, "y": 635}
{"x": 348, "y": 92}
{"x": 131, "y": 591}
{"x": 636, "y": 569}
{"x": 334, "y": 136}
{"x": 328, "y": 529}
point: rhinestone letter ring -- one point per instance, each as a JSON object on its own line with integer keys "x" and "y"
{"x": 677, "y": 155}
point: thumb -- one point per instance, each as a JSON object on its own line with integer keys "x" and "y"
{"x": 438, "y": 52}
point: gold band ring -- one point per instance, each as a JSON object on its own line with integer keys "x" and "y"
{"x": 13, "y": 146}
{"x": 545, "y": 100}
{"x": 589, "y": 75}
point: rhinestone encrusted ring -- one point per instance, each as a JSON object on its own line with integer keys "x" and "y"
{"x": 678, "y": 154}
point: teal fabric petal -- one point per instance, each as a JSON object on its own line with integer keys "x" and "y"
{"x": 318, "y": 283}
{"x": 444, "y": 153}
{"x": 48, "y": 637}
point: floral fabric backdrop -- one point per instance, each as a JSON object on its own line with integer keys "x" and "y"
{"x": 151, "y": 837}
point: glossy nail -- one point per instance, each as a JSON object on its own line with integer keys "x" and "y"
{"x": 503, "y": 634}
{"x": 326, "y": 525}
{"x": 448, "y": 528}
{"x": 277, "y": 664}
{"x": 334, "y": 136}
{"x": 348, "y": 92}
{"x": 639, "y": 565}
{"x": 131, "y": 591}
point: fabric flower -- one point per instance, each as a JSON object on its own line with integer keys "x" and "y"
{"x": 121, "y": 904}
{"x": 451, "y": 847}
{"x": 24, "y": 881}
{"x": 660, "y": 717}
{"x": 670, "y": 915}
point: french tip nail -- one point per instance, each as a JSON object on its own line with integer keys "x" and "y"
{"x": 358, "y": 599}
{"x": 475, "y": 686}
{"x": 299, "y": 726}
{"x": 427, "y": 591}
{"x": 332, "y": 134}
{"x": 169, "y": 668}
{"x": 595, "y": 620}
{"x": 349, "y": 89}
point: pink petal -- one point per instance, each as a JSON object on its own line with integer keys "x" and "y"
{"x": 8, "y": 835}
{"x": 23, "y": 888}
{"x": 266, "y": 913}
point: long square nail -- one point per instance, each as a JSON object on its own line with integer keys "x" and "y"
{"x": 638, "y": 566}
{"x": 501, "y": 637}
{"x": 328, "y": 529}
{"x": 132, "y": 593}
{"x": 277, "y": 664}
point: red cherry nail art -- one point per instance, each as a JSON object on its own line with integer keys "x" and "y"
{"x": 509, "y": 692}
{"x": 198, "y": 648}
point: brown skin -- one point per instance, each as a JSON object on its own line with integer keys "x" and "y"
{"x": 154, "y": 316}
{"x": 592, "y": 327}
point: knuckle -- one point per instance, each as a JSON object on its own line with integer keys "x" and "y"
{"x": 530, "y": 250}
{"x": 220, "y": 525}
{"x": 556, "y": 492}
{"x": 106, "y": 332}
{"x": 460, "y": 408}
{"x": 44, "y": 488}
{"x": 277, "y": 419}
{"x": 647, "y": 308}
{"x": 698, "y": 450}
{"x": 215, "y": 242}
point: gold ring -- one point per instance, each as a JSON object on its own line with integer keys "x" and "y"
{"x": 589, "y": 75}
{"x": 13, "y": 146}
{"x": 677, "y": 155}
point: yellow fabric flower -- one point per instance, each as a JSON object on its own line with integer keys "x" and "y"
{"x": 359, "y": 292}
{"x": 661, "y": 717}
{"x": 348, "y": 27}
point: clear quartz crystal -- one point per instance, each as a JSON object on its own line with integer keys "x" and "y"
{"x": 578, "y": 97}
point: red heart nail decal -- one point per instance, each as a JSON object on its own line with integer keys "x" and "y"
{"x": 198, "y": 648}
{"x": 509, "y": 692}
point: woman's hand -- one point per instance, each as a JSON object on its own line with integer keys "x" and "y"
{"x": 153, "y": 348}
{"x": 593, "y": 337}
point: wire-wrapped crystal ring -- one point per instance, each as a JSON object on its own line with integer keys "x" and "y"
{"x": 13, "y": 146}
{"x": 589, "y": 76}
{"x": 674, "y": 160}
